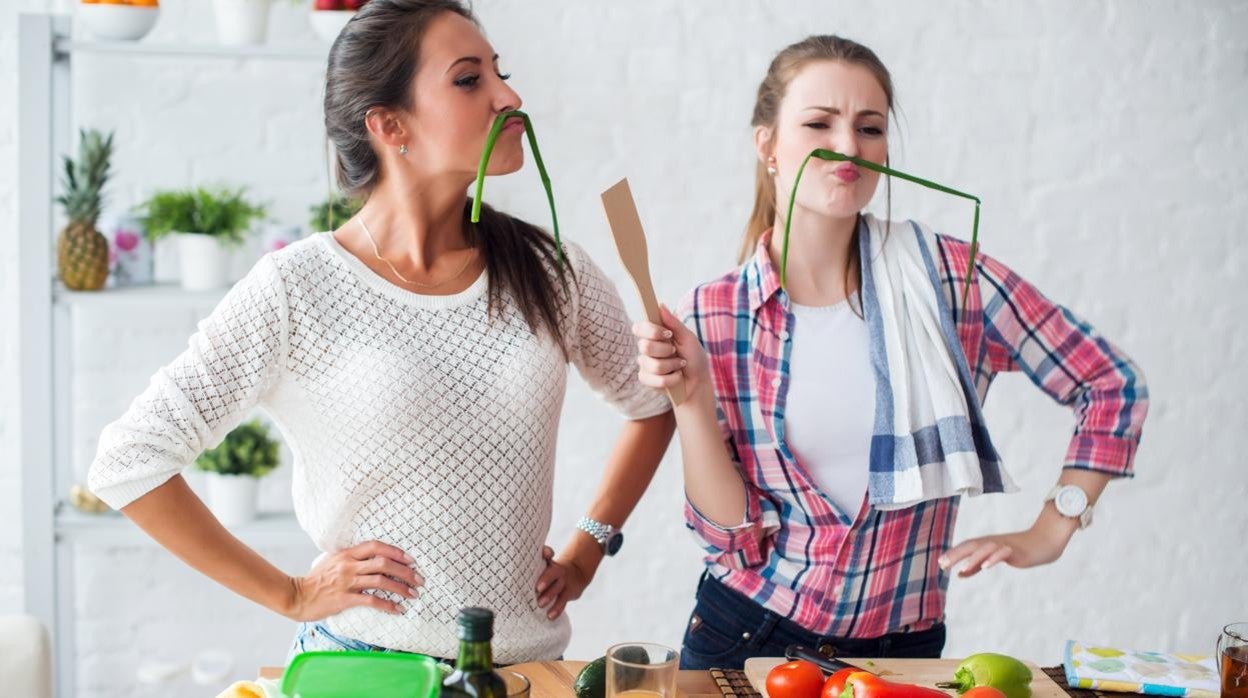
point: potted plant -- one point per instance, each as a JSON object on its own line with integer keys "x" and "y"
{"x": 234, "y": 469}
{"x": 81, "y": 250}
{"x": 331, "y": 213}
{"x": 330, "y": 16}
{"x": 205, "y": 223}
{"x": 242, "y": 22}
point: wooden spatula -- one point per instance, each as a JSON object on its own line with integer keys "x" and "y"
{"x": 630, "y": 240}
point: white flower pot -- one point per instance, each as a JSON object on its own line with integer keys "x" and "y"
{"x": 232, "y": 498}
{"x": 204, "y": 262}
{"x": 242, "y": 22}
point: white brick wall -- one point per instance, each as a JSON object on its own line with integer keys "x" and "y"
{"x": 1105, "y": 139}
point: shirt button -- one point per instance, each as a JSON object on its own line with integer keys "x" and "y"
{"x": 784, "y": 334}
{"x": 775, "y": 382}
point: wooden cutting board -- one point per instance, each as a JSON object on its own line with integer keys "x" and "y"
{"x": 555, "y": 679}
{"x": 923, "y": 672}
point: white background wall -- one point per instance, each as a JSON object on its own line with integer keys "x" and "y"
{"x": 1105, "y": 138}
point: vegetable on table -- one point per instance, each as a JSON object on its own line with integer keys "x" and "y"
{"x": 999, "y": 671}
{"x": 796, "y": 679}
{"x": 835, "y": 685}
{"x": 861, "y": 684}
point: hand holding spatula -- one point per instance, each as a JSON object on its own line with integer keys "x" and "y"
{"x": 630, "y": 241}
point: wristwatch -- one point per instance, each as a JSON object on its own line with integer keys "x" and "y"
{"x": 1072, "y": 502}
{"x": 608, "y": 536}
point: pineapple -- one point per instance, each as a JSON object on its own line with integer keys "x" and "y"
{"x": 81, "y": 251}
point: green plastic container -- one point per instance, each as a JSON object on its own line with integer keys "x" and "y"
{"x": 361, "y": 675}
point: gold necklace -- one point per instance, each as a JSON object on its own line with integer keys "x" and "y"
{"x": 404, "y": 279}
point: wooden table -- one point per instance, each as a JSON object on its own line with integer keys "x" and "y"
{"x": 691, "y": 684}
{"x": 554, "y": 679}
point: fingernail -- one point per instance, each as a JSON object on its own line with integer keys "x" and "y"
{"x": 409, "y": 558}
{"x": 943, "y": 562}
{"x": 541, "y": 587}
{"x": 990, "y": 563}
{"x": 683, "y": 363}
{"x": 667, "y": 334}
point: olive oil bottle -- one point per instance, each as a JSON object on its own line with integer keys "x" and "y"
{"x": 474, "y": 669}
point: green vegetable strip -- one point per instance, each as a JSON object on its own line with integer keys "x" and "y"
{"x": 831, "y": 155}
{"x": 541, "y": 169}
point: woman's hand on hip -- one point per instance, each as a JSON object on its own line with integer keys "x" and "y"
{"x": 558, "y": 584}
{"x": 340, "y": 581}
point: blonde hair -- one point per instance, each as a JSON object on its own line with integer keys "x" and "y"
{"x": 784, "y": 67}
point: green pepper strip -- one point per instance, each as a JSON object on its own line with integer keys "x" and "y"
{"x": 824, "y": 154}
{"x": 541, "y": 168}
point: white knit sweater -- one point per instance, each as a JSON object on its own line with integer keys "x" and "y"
{"x": 414, "y": 420}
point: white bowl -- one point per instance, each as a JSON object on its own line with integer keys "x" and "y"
{"x": 118, "y": 22}
{"x": 328, "y": 24}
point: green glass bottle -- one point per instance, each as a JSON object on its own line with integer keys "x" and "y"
{"x": 474, "y": 670}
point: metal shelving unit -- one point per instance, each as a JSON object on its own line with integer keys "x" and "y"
{"x": 51, "y": 527}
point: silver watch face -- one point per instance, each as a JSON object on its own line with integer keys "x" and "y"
{"x": 613, "y": 543}
{"x": 1071, "y": 501}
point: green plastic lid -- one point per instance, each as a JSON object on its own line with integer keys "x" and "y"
{"x": 360, "y": 675}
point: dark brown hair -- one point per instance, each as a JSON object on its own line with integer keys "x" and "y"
{"x": 771, "y": 91}
{"x": 372, "y": 64}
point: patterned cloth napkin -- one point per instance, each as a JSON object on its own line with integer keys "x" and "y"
{"x": 1102, "y": 668}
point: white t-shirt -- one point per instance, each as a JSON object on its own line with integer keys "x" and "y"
{"x": 829, "y": 412}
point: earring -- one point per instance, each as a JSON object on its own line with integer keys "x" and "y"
{"x": 771, "y": 167}
{"x": 403, "y": 149}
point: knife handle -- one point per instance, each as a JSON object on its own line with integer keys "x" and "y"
{"x": 829, "y": 665}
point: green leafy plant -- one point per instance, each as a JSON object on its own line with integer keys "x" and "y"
{"x": 222, "y": 213}
{"x": 333, "y": 212}
{"x": 247, "y": 450}
{"x": 832, "y": 155}
{"x": 537, "y": 158}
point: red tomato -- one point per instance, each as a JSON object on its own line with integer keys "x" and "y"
{"x": 984, "y": 692}
{"x": 794, "y": 680}
{"x": 835, "y": 685}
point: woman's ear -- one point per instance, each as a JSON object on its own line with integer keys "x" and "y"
{"x": 762, "y": 143}
{"x": 385, "y": 127}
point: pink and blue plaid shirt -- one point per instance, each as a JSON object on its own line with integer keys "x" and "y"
{"x": 872, "y": 572}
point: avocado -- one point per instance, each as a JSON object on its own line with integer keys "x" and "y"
{"x": 591, "y": 682}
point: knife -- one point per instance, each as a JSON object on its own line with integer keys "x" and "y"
{"x": 831, "y": 665}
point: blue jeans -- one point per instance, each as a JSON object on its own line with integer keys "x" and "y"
{"x": 727, "y": 628}
{"x": 317, "y": 637}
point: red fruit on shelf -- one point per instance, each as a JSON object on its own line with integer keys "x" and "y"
{"x": 328, "y": 4}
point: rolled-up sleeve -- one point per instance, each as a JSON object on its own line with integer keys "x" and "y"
{"x": 743, "y": 545}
